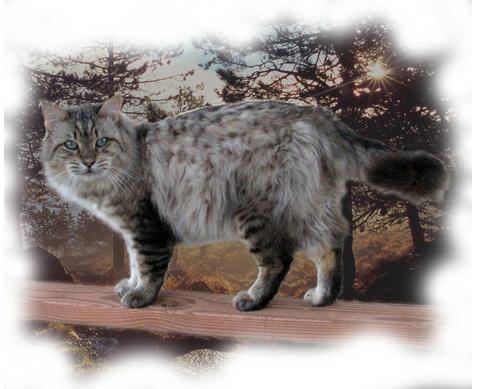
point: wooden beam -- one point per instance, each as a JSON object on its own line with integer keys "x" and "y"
{"x": 211, "y": 315}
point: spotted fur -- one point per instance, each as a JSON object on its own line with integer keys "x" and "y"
{"x": 269, "y": 173}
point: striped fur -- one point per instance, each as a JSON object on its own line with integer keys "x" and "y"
{"x": 271, "y": 174}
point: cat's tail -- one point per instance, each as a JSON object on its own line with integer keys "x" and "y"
{"x": 415, "y": 176}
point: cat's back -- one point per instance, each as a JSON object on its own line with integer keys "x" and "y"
{"x": 253, "y": 115}
{"x": 229, "y": 129}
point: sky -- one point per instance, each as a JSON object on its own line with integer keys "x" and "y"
{"x": 190, "y": 59}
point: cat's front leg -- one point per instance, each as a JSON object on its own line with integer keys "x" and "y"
{"x": 127, "y": 284}
{"x": 148, "y": 269}
{"x": 150, "y": 242}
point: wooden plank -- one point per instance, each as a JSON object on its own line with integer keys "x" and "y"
{"x": 210, "y": 315}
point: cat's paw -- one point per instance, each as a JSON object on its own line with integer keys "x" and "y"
{"x": 243, "y": 302}
{"x": 139, "y": 298}
{"x": 123, "y": 287}
{"x": 319, "y": 296}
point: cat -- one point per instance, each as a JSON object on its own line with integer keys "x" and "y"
{"x": 269, "y": 173}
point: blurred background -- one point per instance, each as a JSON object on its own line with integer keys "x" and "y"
{"x": 360, "y": 73}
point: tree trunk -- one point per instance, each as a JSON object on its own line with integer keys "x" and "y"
{"x": 118, "y": 253}
{"x": 348, "y": 262}
{"x": 111, "y": 89}
{"x": 348, "y": 112}
{"x": 417, "y": 232}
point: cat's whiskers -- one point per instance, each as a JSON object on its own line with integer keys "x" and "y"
{"x": 68, "y": 184}
{"x": 125, "y": 183}
{"x": 57, "y": 176}
{"x": 124, "y": 189}
{"x": 73, "y": 187}
{"x": 127, "y": 173}
{"x": 116, "y": 185}
{"x": 111, "y": 183}
{"x": 124, "y": 176}
{"x": 102, "y": 166}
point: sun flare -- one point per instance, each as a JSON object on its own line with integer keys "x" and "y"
{"x": 377, "y": 71}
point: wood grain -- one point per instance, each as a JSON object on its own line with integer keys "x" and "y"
{"x": 209, "y": 315}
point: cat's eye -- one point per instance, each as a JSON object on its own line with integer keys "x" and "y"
{"x": 70, "y": 145}
{"x": 101, "y": 142}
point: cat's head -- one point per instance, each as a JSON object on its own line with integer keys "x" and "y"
{"x": 86, "y": 147}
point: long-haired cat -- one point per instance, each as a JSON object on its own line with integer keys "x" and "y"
{"x": 269, "y": 173}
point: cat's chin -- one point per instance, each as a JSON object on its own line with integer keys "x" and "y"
{"x": 91, "y": 175}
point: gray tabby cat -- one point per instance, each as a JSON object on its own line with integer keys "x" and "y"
{"x": 269, "y": 173}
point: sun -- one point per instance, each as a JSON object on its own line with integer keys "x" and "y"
{"x": 379, "y": 76}
{"x": 377, "y": 71}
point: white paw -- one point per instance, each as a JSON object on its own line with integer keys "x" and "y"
{"x": 139, "y": 297}
{"x": 124, "y": 286}
{"x": 318, "y": 296}
{"x": 244, "y": 301}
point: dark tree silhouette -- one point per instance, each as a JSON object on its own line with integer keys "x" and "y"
{"x": 313, "y": 65}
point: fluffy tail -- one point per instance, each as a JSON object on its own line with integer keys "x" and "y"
{"x": 415, "y": 176}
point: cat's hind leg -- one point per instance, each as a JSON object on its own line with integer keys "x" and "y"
{"x": 273, "y": 254}
{"x": 328, "y": 266}
{"x": 273, "y": 265}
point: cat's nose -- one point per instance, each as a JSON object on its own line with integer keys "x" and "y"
{"x": 89, "y": 163}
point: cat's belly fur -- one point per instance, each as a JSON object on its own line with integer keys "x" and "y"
{"x": 198, "y": 208}
{"x": 196, "y": 221}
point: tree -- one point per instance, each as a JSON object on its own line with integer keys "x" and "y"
{"x": 362, "y": 77}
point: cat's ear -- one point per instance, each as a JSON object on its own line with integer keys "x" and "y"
{"x": 52, "y": 114}
{"x": 112, "y": 108}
